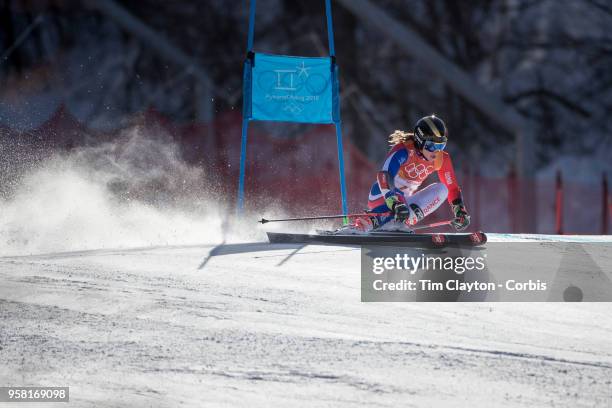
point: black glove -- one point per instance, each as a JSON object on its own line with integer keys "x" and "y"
{"x": 462, "y": 218}
{"x": 402, "y": 213}
{"x": 397, "y": 207}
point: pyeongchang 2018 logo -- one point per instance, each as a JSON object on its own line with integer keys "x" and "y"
{"x": 416, "y": 171}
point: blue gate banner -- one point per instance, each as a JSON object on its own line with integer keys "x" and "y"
{"x": 292, "y": 89}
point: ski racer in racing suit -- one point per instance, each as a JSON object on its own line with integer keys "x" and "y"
{"x": 412, "y": 158}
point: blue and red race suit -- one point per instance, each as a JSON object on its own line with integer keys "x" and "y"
{"x": 404, "y": 171}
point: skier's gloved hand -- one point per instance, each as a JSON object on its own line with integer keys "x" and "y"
{"x": 402, "y": 213}
{"x": 392, "y": 199}
{"x": 462, "y": 218}
{"x": 397, "y": 206}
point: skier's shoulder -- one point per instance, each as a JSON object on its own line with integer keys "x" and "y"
{"x": 442, "y": 160}
{"x": 402, "y": 149}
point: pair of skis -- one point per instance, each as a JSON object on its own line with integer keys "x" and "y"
{"x": 375, "y": 236}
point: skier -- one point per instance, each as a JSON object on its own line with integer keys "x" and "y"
{"x": 412, "y": 158}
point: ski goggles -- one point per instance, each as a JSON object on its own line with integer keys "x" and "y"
{"x": 432, "y": 146}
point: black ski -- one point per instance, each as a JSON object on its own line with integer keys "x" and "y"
{"x": 381, "y": 237}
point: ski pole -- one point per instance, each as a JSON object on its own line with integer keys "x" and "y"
{"x": 433, "y": 225}
{"x": 323, "y": 217}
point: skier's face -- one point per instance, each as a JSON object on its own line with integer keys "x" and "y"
{"x": 428, "y": 155}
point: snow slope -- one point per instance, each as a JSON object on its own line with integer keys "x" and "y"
{"x": 258, "y": 325}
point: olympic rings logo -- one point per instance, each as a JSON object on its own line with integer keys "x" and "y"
{"x": 417, "y": 171}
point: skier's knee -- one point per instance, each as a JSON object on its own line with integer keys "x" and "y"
{"x": 441, "y": 191}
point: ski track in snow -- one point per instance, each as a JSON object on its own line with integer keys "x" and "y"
{"x": 260, "y": 325}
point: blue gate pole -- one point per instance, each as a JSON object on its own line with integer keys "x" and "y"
{"x": 243, "y": 147}
{"x": 341, "y": 168}
{"x": 330, "y": 28}
{"x": 252, "y": 8}
{"x": 245, "y": 107}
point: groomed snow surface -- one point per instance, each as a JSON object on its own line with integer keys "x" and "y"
{"x": 258, "y": 325}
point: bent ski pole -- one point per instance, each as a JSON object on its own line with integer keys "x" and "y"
{"x": 323, "y": 217}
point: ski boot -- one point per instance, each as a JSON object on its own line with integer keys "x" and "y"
{"x": 360, "y": 225}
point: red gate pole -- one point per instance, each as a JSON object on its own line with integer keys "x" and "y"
{"x": 466, "y": 181}
{"x": 605, "y": 209}
{"x": 559, "y": 204}
{"x": 476, "y": 185}
{"x": 512, "y": 196}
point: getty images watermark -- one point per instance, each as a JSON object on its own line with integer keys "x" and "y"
{"x": 498, "y": 272}
{"x": 459, "y": 265}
